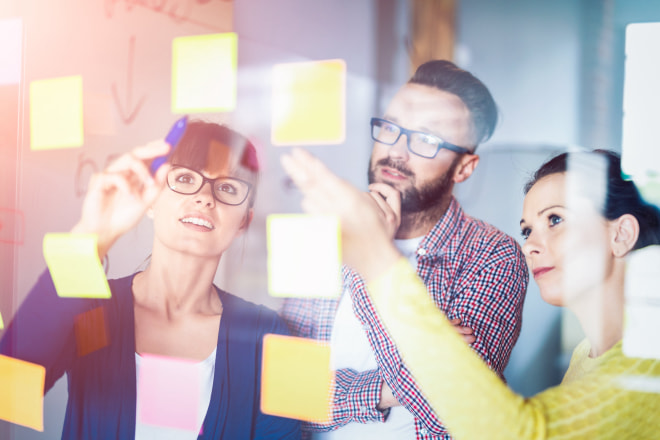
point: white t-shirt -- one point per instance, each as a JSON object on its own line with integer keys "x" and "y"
{"x": 350, "y": 348}
{"x": 205, "y": 371}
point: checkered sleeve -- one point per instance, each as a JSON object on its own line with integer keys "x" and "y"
{"x": 490, "y": 301}
{"x": 356, "y": 394}
{"x": 487, "y": 296}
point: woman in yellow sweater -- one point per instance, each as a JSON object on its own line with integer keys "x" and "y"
{"x": 575, "y": 243}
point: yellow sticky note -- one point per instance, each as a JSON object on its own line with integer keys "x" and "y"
{"x": 304, "y": 255}
{"x": 2, "y": 324}
{"x": 296, "y": 379}
{"x": 22, "y": 395}
{"x": 309, "y": 103}
{"x": 204, "y": 73}
{"x": 56, "y": 113}
{"x": 75, "y": 266}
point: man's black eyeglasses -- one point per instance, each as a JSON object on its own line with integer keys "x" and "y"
{"x": 419, "y": 143}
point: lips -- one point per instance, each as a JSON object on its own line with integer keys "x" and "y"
{"x": 197, "y": 221}
{"x": 540, "y": 271}
{"x": 393, "y": 174}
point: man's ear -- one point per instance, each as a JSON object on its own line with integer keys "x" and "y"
{"x": 625, "y": 231}
{"x": 465, "y": 167}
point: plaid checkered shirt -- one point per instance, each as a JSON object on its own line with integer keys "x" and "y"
{"x": 472, "y": 271}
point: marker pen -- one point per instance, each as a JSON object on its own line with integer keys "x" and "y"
{"x": 173, "y": 138}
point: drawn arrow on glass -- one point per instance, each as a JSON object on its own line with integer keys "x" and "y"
{"x": 130, "y": 112}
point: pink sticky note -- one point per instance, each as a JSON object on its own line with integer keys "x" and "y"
{"x": 11, "y": 49}
{"x": 168, "y": 393}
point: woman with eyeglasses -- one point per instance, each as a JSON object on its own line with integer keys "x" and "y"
{"x": 580, "y": 221}
{"x": 200, "y": 203}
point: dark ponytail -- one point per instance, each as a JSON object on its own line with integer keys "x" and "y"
{"x": 622, "y": 195}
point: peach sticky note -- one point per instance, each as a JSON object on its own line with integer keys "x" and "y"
{"x": 296, "y": 379}
{"x": 22, "y": 395}
{"x": 11, "y": 49}
{"x": 91, "y": 331}
{"x": 309, "y": 103}
{"x": 304, "y": 255}
{"x": 56, "y": 113}
{"x": 168, "y": 392}
{"x": 75, "y": 266}
{"x": 204, "y": 73}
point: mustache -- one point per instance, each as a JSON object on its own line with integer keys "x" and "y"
{"x": 398, "y": 166}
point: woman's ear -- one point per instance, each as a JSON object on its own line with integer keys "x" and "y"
{"x": 625, "y": 231}
{"x": 150, "y": 213}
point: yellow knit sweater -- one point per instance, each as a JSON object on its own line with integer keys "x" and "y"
{"x": 609, "y": 397}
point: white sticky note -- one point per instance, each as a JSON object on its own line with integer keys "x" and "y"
{"x": 642, "y": 304}
{"x": 304, "y": 255}
{"x": 11, "y": 50}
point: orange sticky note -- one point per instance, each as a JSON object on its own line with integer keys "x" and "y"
{"x": 204, "y": 70}
{"x": 168, "y": 393}
{"x": 304, "y": 255}
{"x": 91, "y": 331}
{"x": 309, "y": 103}
{"x": 296, "y": 379}
{"x": 22, "y": 395}
{"x": 56, "y": 113}
{"x": 74, "y": 265}
{"x": 11, "y": 50}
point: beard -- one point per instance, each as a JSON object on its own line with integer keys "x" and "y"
{"x": 415, "y": 200}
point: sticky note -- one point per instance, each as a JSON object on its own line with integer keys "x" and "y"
{"x": 642, "y": 304}
{"x": 74, "y": 265}
{"x": 56, "y": 113}
{"x": 12, "y": 226}
{"x": 91, "y": 331}
{"x": 168, "y": 393}
{"x": 640, "y": 157}
{"x": 296, "y": 379}
{"x": 22, "y": 396}
{"x": 2, "y": 323}
{"x": 11, "y": 50}
{"x": 309, "y": 103}
{"x": 304, "y": 255}
{"x": 204, "y": 71}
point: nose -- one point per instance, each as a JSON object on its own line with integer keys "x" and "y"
{"x": 205, "y": 195}
{"x": 399, "y": 151}
{"x": 533, "y": 245}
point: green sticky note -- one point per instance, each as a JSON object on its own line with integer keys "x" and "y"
{"x": 204, "y": 71}
{"x": 75, "y": 266}
{"x": 309, "y": 103}
{"x": 304, "y": 255}
{"x": 56, "y": 113}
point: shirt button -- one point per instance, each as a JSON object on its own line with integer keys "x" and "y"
{"x": 421, "y": 251}
{"x": 363, "y": 410}
{"x": 424, "y": 431}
